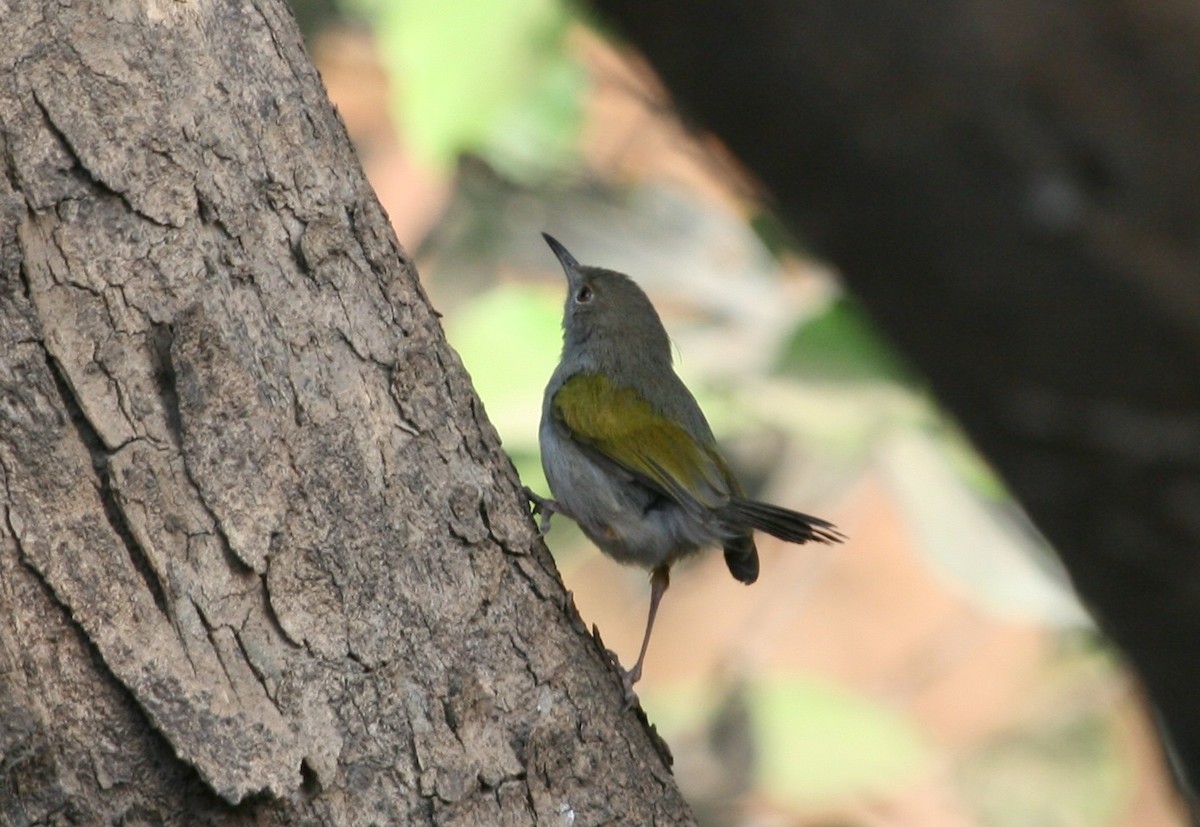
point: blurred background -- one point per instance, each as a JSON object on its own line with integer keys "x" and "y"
{"x": 936, "y": 670}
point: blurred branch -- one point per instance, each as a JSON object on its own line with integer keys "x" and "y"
{"x": 1013, "y": 191}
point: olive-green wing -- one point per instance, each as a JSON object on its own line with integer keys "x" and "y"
{"x": 620, "y": 425}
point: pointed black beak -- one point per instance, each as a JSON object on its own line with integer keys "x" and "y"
{"x": 567, "y": 260}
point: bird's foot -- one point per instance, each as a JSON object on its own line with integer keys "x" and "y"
{"x": 628, "y": 676}
{"x": 628, "y": 679}
{"x": 543, "y": 508}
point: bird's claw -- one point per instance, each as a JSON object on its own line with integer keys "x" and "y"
{"x": 541, "y": 508}
{"x": 628, "y": 676}
{"x": 537, "y": 508}
{"x": 628, "y": 679}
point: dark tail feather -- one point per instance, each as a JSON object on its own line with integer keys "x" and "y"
{"x": 791, "y": 526}
{"x": 741, "y": 556}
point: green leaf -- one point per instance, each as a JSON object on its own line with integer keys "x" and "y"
{"x": 509, "y": 339}
{"x": 821, "y": 743}
{"x": 817, "y": 743}
{"x": 491, "y": 78}
{"x": 841, "y": 345}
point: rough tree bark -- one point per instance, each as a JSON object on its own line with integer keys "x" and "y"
{"x": 262, "y": 559}
{"x": 1012, "y": 187}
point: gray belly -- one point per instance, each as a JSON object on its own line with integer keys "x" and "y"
{"x": 627, "y": 520}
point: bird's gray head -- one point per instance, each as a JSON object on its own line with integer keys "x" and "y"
{"x": 608, "y": 319}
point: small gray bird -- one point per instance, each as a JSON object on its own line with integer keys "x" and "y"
{"x": 629, "y": 455}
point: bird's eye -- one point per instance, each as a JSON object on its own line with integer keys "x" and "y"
{"x": 584, "y": 295}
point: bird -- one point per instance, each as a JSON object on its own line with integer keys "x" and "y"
{"x": 627, "y": 451}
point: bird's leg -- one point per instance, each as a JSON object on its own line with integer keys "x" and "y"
{"x": 544, "y": 509}
{"x": 660, "y": 579}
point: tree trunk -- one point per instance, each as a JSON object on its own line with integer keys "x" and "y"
{"x": 262, "y": 559}
{"x": 1013, "y": 190}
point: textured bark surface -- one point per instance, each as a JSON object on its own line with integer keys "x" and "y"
{"x": 1012, "y": 187}
{"x": 261, "y": 557}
